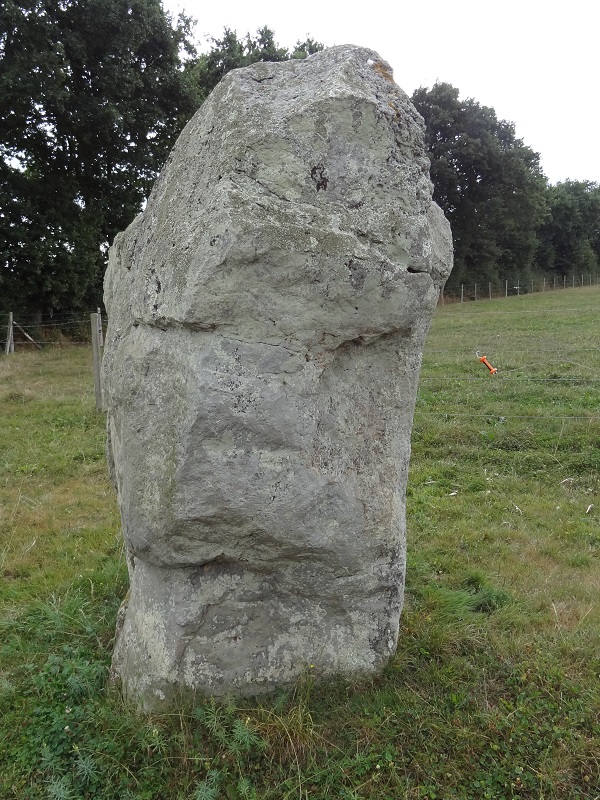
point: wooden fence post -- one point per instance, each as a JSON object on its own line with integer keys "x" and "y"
{"x": 10, "y": 341}
{"x": 100, "y": 331}
{"x": 96, "y": 351}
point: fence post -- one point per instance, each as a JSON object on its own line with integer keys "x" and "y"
{"x": 554, "y": 289}
{"x": 505, "y": 288}
{"x": 10, "y": 341}
{"x": 462, "y": 293}
{"x": 96, "y": 351}
{"x": 518, "y": 288}
{"x": 564, "y": 281}
{"x": 100, "y": 331}
{"x": 544, "y": 285}
{"x": 490, "y": 289}
{"x": 475, "y": 291}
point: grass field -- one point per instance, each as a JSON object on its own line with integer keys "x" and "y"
{"x": 495, "y": 689}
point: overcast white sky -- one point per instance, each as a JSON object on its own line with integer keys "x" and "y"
{"x": 536, "y": 63}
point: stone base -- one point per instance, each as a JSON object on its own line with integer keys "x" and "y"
{"x": 219, "y": 630}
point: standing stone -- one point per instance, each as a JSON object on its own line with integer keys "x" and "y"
{"x": 267, "y": 314}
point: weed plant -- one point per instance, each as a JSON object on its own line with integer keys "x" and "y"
{"x": 494, "y": 691}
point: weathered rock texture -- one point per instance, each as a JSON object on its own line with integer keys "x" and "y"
{"x": 267, "y": 314}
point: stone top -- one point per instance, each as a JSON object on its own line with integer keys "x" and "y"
{"x": 292, "y": 177}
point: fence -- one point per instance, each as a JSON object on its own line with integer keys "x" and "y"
{"x": 491, "y": 290}
{"x": 95, "y": 332}
{"x": 97, "y": 339}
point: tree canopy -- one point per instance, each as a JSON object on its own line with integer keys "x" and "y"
{"x": 231, "y": 52}
{"x": 570, "y": 235}
{"x": 488, "y": 183}
{"x": 95, "y": 94}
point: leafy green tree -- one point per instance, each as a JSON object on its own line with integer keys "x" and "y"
{"x": 95, "y": 95}
{"x": 308, "y": 47}
{"x": 231, "y": 52}
{"x": 488, "y": 183}
{"x": 95, "y": 92}
{"x": 570, "y": 236}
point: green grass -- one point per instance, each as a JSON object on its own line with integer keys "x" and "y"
{"x": 495, "y": 689}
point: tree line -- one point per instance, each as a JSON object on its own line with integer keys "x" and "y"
{"x": 95, "y": 92}
{"x": 507, "y": 222}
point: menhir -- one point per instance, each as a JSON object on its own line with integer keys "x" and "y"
{"x": 267, "y": 314}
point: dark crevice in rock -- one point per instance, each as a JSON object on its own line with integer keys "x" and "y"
{"x": 165, "y": 323}
{"x": 319, "y": 176}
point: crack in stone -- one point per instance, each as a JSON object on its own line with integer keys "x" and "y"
{"x": 190, "y": 633}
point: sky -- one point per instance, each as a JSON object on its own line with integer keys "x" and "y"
{"x": 536, "y": 63}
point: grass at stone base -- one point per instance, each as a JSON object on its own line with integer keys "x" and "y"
{"x": 495, "y": 689}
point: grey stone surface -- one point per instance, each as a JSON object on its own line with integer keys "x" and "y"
{"x": 267, "y": 314}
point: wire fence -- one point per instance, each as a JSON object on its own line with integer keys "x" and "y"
{"x": 22, "y": 331}
{"x": 492, "y": 290}
{"x": 73, "y": 332}
{"x": 69, "y": 331}
{"x": 544, "y": 365}
{"x": 471, "y": 415}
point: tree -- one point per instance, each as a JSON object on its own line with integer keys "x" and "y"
{"x": 231, "y": 52}
{"x": 570, "y": 236}
{"x": 95, "y": 94}
{"x": 488, "y": 183}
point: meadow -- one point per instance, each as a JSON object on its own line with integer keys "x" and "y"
{"x": 494, "y": 692}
